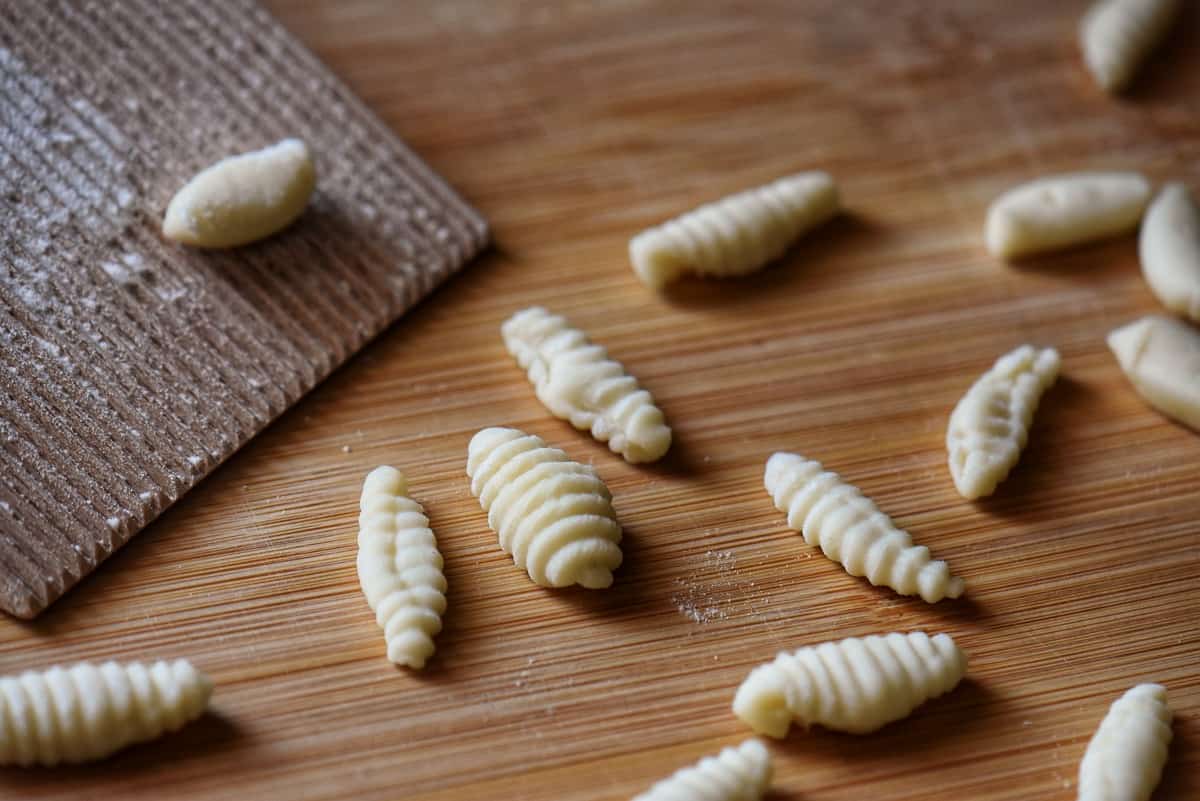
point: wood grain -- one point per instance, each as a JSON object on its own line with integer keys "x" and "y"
{"x": 572, "y": 126}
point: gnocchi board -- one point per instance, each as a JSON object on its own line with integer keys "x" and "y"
{"x": 572, "y": 126}
{"x": 133, "y": 366}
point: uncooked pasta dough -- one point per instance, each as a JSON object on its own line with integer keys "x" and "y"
{"x": 576, "y": 381}
{"x": 400, "y": 567}
{"x": 1125, "y": 757}
{"x": 855, "y": 685}
{"x": 736, "y": 774}
{"x": 1161, "y": 357}
{"x": 990, "y": 425}
{"x": 737, "y": 234}
{"x": 1169, "y": 248}
{"x": 553, "y": 516}
{"x": 86, "y": 711}
{"x": 243, "y": 199}
{"x": 1060, "y": 211}
{"x": 1117, "y": 35}
{"x": 850, "y": 530}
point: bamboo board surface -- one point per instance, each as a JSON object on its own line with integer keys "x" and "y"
{"x": 572, "y": 126}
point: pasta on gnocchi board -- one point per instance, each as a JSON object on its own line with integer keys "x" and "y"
{"x": 135, "y": 366}
{"x": 573, "y": 126}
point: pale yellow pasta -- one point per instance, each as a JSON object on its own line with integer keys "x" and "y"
{"x": 1169, "y": 248}
{"x": 855, "y": 685}
{"x": 243, "y": 199}
{"x": 736, "y": 774}
{"x": 86, "y": 711}
{"x": 552, "y": 515}
{"x": 1125, "y": 757}
{"x": 850, "y": 530}
{"x": 1061, "y": 211}
{"x": 400, "y": 567}
{"x": 737, "y": 234}
{"x": 990, "y": 425}
{"x": 1117, "y": 35}
{"x": 576, "y": 381}
{"x": 1161, "y": 357}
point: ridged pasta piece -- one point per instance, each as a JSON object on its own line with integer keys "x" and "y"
{"x": 86, "y": 711}
{"x": 1060, "y": 211}
{"x": 1169, "y": 248}
{"x": 990, "y": 425}
{"x": 1125, "y": 757}
{"x": 243, "y": 199}
{"x": 400, "y": 567}
{"x": 1161, "y": 358}
{"x": 855, "y": 685}
{"x": 851, "y": 530}
{"x": 552, "y": 515}
{"x": 1117, "y": 35}
{"x": 736, "y": 774}
{"x": 736, "y": 235}
{"x": 576, "y": 381}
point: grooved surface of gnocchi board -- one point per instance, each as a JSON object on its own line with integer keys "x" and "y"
{"x": 132, "y": 366}
{"x": 572, "y": 126}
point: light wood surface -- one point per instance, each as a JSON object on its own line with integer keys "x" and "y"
{"x": 572, "y": 126}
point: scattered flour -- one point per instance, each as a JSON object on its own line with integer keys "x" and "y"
{"x": 704, "y": 602}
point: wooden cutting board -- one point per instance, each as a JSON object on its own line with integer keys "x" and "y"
{"x": 572, "y": 126}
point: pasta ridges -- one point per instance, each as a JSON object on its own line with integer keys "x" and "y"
{"x": 851, "y": 530}
{"x": 855, "y": 685}
{"x": 552, "y": 515}
{"x": 990, "y": 424}
{"x": 400, "y": 567}
{"x": 577, "y": 382}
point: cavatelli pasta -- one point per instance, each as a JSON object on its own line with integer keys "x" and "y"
{"x": 736, "y": 774}
{"x": 1125, "y": 757}
{"x": 990, "y": 425}
{"x": 552, "y": 515}
{"x": 1161, "y": 358}
{"x": 1117, "y": 35}
{"x": 1169, "y": 249}
{"x": 243, "y": 198}
{"x": 1061, "y": 211}
{"x": 737, "y": 234}
{"x": 86, "y": 711}
{"x": 400, "y": 567}
{"x": 851, "y": 530}
{"x": 855, "y": 685}
{"x": 577, "y": 381}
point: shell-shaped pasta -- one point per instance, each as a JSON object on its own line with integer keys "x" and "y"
{"x": 576, "y": 381}
{"x": 990, "y": 425}
{"x": 855, "y": 685}
{"x": 400, "y": 567}
{"x": 737, "y": 234}
{"x": 86, "y": 711}
{"x": 243, "y": 199}
{"x": 850, "y": 530}
{"x": 1125, "y": 757}
{"x": 1060, "y": 211}
{"x": 552, "y": 515}
{"x": 736, "y": 774}
{"x": 1169, "y": 247}
{"x": 1117, "y": 35}
{"x": 1161, "y": 357}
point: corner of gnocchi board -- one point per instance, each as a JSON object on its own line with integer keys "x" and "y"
{"x": 135, "y": 366}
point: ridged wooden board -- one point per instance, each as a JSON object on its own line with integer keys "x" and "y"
{"x": 572, "y": 126}
{"x": 132, "y": 367}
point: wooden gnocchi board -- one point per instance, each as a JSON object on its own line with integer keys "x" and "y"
{"x": 572, "y": 126}
{"x": 133, "y": 366}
